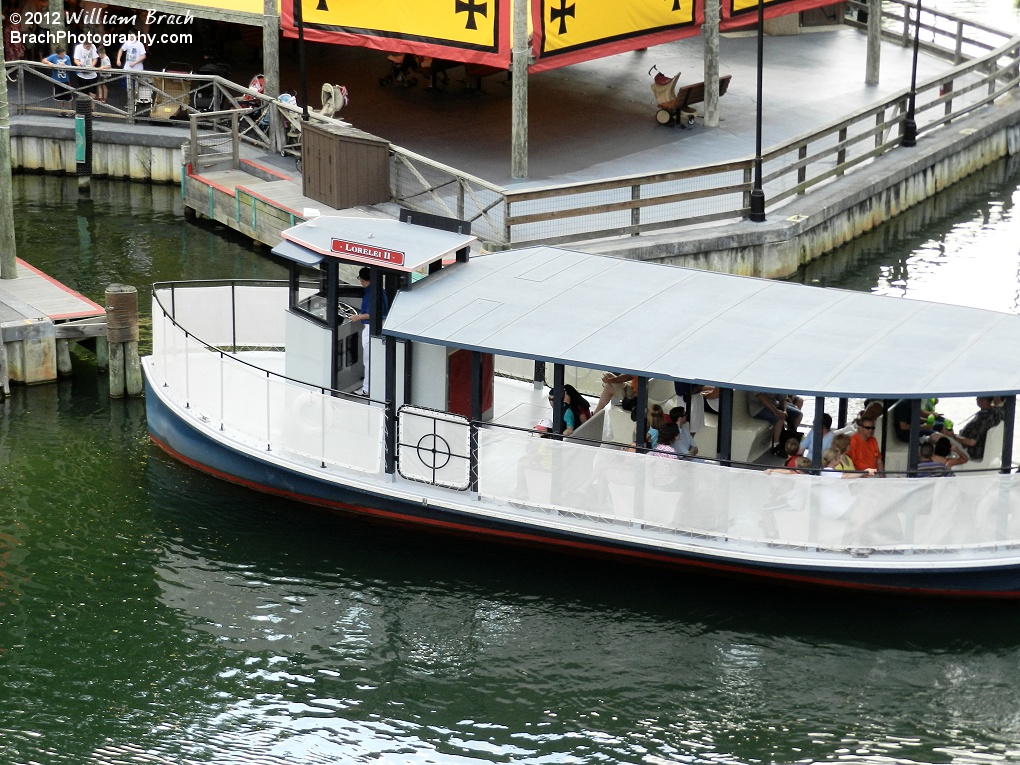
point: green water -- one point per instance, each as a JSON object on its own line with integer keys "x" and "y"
{"x": 149, "y": 614}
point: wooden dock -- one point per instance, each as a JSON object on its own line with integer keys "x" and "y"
{"x": 39, "y": 318}
{"x": 256, "y": 201}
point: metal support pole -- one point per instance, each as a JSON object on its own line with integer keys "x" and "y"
{"x": 476, "y": 416}
{"x": 758, "y": 193}
{"x": 1008, "y": 426}
{"x": 915, "y": 435}
{"x": 390, "y": 386}
{"x": 539, "y": 376}
{"x": 408, "y": 367}
{"x": 557, "y": 403}
{"x": 299, "y": 21}
{"x": 909, "y": 124}
{"x": 641, "y": 425}
{"x": 725, "y": 434}
{"x": 816, "y": 439}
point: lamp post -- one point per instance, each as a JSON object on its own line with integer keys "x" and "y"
{"x": 757, "y": 193}
{"x": 299, "y": 20}
{"x": 909, "y": 125}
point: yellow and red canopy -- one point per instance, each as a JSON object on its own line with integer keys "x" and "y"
{"x": 479, "y": 31}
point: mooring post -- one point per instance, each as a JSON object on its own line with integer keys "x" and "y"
{"x": 122, "y": 337}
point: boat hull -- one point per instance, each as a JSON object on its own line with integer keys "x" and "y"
{"x": 188, "y": 443}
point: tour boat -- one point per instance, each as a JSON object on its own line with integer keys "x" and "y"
{"x": 257, "y": 383}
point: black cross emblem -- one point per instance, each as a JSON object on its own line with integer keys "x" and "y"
{"x": 470, "y": 7}
{"x": 561, "y": 13}
{"x": 322, "y": 5}
{"x": 676, "y": 5}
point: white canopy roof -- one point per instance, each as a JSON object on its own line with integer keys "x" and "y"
{"x": 665, "y": 322}
{"x": 369, "y": 241}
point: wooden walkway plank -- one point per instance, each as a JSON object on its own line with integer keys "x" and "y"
{"x": 34, "y": 295}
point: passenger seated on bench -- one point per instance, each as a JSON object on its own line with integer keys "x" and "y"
{"x": 989, "y": 414}
{"x": 841, "y": 442}
{"x": 684, "y": 444}
{"x": 775, "y": 410}
{"x": 831, "y": 467}
{"x": 807, "y": 446}
{"x": 947, "y": 452}
{"x": 792, "y": 448}
{"x": 612, "y": 386}
{"x": 662, "y": 476}
{"x": 873, "y": 409}
{"x": 668, "y": 435}
{"x": 930, "y": 421}
{"x": 864, "y": 448}
{"x": 654, "y": 420}
{"x": 931, "y": 466}
{"x": 693, "y": 399}
{"x": 575, "y": 410}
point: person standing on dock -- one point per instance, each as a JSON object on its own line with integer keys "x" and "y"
{"x": 61, "y": 63}
{"x": 365, "y": 277}
{"x": 85, "y": 56}
{"x": 133, "y": 53}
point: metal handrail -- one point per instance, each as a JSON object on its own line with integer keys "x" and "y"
{"x": 631, "y": 205}
{"x": 265, "y": 121}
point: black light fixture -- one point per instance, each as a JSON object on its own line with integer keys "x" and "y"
{"x": 299, "y": 21}
{"x": 757, "y": 193}
{"x": 909, "y": 124}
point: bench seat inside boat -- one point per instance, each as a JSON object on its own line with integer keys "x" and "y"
{"x": 751, "y": 437}
{"x": 896, "y": 450}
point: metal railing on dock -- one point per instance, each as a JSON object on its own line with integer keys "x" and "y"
{"x": 987, "y": 67}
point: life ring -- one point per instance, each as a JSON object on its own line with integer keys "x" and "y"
{"x": 308, "y": 414}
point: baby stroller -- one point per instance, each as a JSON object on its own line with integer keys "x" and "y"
{"x": 207, "y": 98}
{"x": 672, "y": 109}
{"x": 334, "y": 98}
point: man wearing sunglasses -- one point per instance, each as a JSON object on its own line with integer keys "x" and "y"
{"x": 864, "y": 448}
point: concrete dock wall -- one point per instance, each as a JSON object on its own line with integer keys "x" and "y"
{"x": 816, "y": 223}
{"x": 153, "y": 156}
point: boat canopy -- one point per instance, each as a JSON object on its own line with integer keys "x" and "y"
{"x": 367, "y": 241}
{"x": 666, "y": 322}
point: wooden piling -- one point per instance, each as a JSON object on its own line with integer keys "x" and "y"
{"x": 5, "y": 382}
{"x": 122, "y": 337}
{"x": 64, "y": 368}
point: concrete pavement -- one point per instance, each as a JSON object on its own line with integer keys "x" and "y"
{"x": 597, "y": 119}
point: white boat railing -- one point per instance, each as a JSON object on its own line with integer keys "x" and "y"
{"x": 195, "y": 336}
{"x": 862, "y": 517}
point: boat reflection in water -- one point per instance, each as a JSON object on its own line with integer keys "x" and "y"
{"x": 251, "y": 382}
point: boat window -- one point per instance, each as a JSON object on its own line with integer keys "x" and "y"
{"x": 308, "y": 292}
